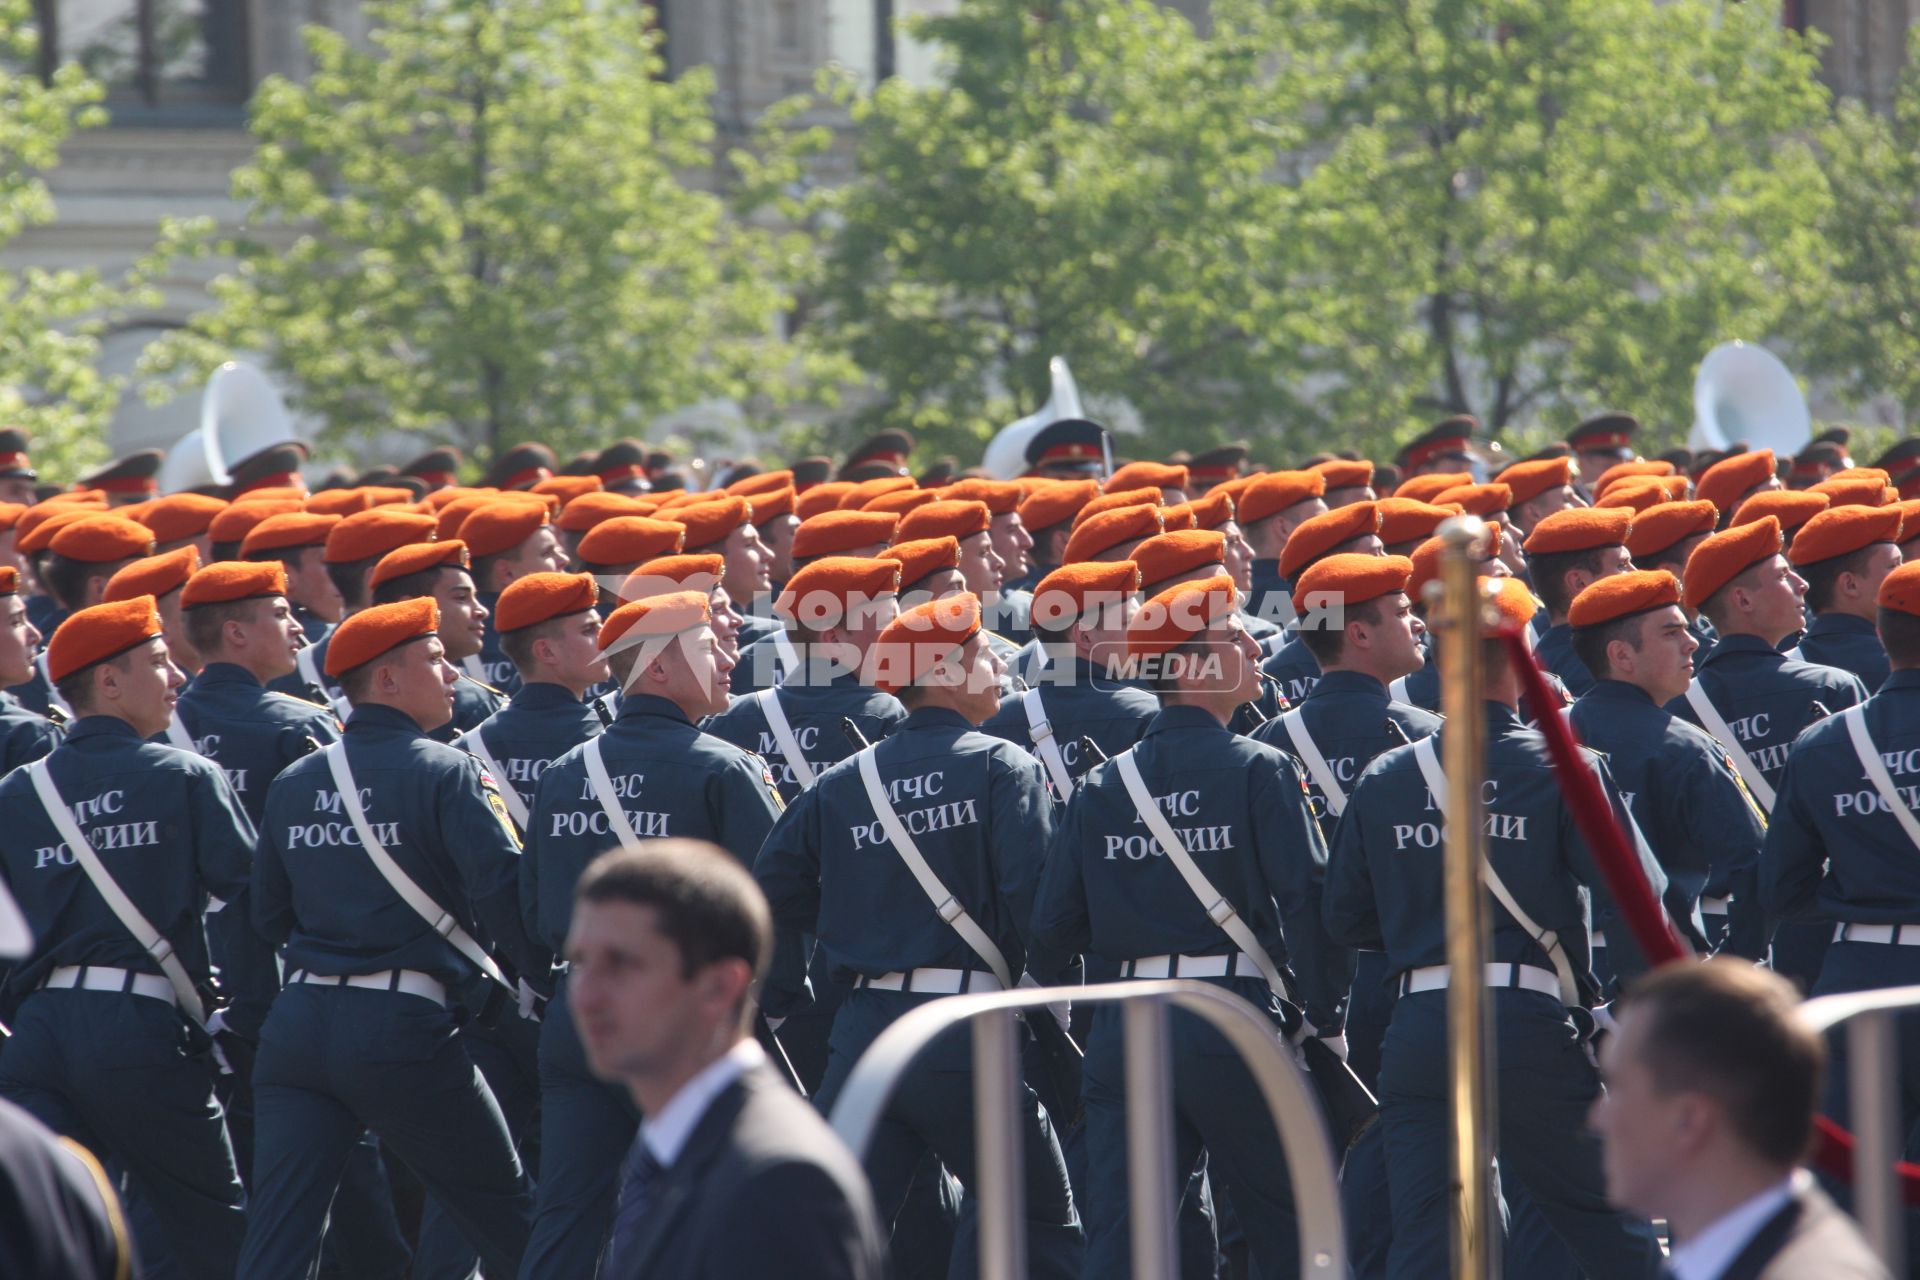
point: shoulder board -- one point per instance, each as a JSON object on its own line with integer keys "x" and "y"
{"x": 58, "y": 716}
{"x": 298, "y": 701}
{"x": 483, "y": 684}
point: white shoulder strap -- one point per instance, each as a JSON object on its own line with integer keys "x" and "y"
{"x": 177, "y": 734}
{"x": 1309, "y": 753}
{"x": 789, "y": 657}
{"x": 943, "y": 902}
{"x": 603, "y": 791}
{"x": 1876, "y": 768}
{"x": 476, "y": 670}
{"x": 53, "y": 693}
{"x": 440, "y": 921}
{"x": 1399, "y": 691}
{"x": 1549, "y": 941}
{"x": 1218, "y": 909}
{"x": 1040, "y": 730}
{"x": 308, "y": 665}
{"x": 1710, "y": 717}
{"x": 783, "y": 735}
{"x": 150, "y": 939}
{"x": 1794, "y": 655}
{"x": 473, "y": 740}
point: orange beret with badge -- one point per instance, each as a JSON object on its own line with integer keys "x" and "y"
{"x": 1900, "y": 590}
{"x": 1791, "y": 507}
{"x": 1276, "y": 491}
{"x": 1062, "y": 597}
{"x": 1115, "y": 499}
{"x": 922, "y": 557}
{"x": 375, "y": 632}
{"x": 1178, "y": 615}
{"x": 1529, "y": 479}
{"x": 1842, "y": 531}
{"x": 651, "y": 617}
{"x": 762, "y": 482}
{"x": 630, "y": 540}
{"x": 1345, "y": 473}
{"x": 1056, "y": 502}
{"x": 922, "y": 640}
{"x": 1658, "y": 528}
{"x": 944, "y": 520}
{"x": 1426, "y": 560}
{"x": 1623, "y": 595}
{"x": 534, "y": 598}
{"x": 590, "y": 509}
{"x": 1320, "y": 535}
{"x": 501, "y": 526}
{"x": 154, "y": 575}
{"x": 180, "y": 515}
{"x": 1580, "y": 529}
{"x": 100, "y": 539}
{"x": 1725, "y": 556}
{"x": 697, "y": 572}
{"x": 860, "y": 493}
{"x": 1168, "y": 555}
{"x": 240, "y": 518}
{"x": 367, "y": 535}
{"x": 1728, "y": 480}
{"x": 1351, "y": 578}
{"x": 1637, "y": 469}
{"x": 1001, "y": 496}
{"x": 1425, "y": 488}
{"x": 100, "y": 633}
{"x": 900, "y": 501}
{"x": 288, "y": 531}
{"x": 1405, "y": 519}
{"x": 838, "y": 532}
{"x": 1855, "y": 491}
{"x": 1110, "y": 529}
{"x": 713, "y": 521}
{"x": 1209, "y": 511}
{"x": 1512, "y": 602}
{"x": 1485, "y": 500}
{"x": 418, "y": 557}
{"x": 9, "y": 580}
{"x": 826, "y": 592}
{"x": 232, "y": 580}
{"x": 822, "y": 497}
{"x": 1146, "y": 475}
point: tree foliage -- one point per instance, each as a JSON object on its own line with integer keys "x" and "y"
{"x": 51, "y": 321}
{"x": 1326, "y": 220}
{"x": 481, "y": 225}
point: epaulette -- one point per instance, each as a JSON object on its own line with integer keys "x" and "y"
{"x": 57, "y": 716}
{"x": 484, "y": 685}
{"x": 305, "y": 702}
{"x": 600, "y": 709}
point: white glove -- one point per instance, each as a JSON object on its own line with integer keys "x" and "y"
{"x": 220, "y": 1057}
{"x": 1603, "y": 1019}
{"x": 529, "y": 1001}
{"x": 217, "y": 1023}
{"x": 1061, "y": 1010}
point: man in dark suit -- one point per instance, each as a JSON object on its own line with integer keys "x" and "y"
{"x": 1711, "y": 1083}
{"x": 732, "y": 1173}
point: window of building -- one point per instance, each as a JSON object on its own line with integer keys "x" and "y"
{"x": 156, "y": 57}
{"x": 786, "y": 24}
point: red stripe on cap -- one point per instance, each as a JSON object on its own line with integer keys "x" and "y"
{"x": 125, "y": 484}
{"x": 625, "y": 471}
{"x": 273, "y": 480}
{"x": 1435, "y": 448}
{"x": 532, "y": 475}
{"x": 1075, "y": 450}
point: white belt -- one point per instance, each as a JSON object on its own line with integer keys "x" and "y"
{"x": 1713, "y": 906}
{"x": 1900, "y": 935}
{"x": 1598, "y": 939}
{"x": 1526, "y": 977}
{"x": 1237, "y": 965}
{"x": 97, "y": 977}
{"x": 945, "y": 982}
{"x": 406, "y": 981}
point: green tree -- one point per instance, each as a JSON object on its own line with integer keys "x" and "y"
{"x": 1092, "y": 180}
{"x": 51, "y": 321}
{"x": 480, "y": 225}
{"x": 1863, "y": 328}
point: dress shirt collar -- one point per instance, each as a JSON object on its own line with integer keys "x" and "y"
{"x": 1710, "y": 1252}
{"x": 666, "y": 1131}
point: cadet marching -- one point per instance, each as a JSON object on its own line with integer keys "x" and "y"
{"x": 300, "y": 786}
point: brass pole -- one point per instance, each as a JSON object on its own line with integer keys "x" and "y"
{"x": 1469, "y": 1040}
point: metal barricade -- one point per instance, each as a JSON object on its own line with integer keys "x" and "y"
{"x": 1001, "y": 1191}
{"x": 1872, "y": 1085}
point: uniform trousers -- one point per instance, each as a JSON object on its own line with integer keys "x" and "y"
{"x": 112, "y": 1071}
{"x": 932, "y": 1110}
{"x": 1218, "y": 1107}
{"x": 586, "y": 1130}
{"x": 336, "y": 1060}
{"x": 1869, "y": 966}
{"x": 1545, "y": 1085}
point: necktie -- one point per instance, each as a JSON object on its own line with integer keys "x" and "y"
{"x": 639, "y": 1176}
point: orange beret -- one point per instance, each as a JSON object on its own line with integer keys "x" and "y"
{"x": 823, "y": 593}
{"x": 1168, "y": 555}
{"x": 1344, "y": 473}
{"x": 1841, "y": 531}
{"x": 1512, "y": 601}
{"x": 1110, "y": 529}
{"x": 1237, "y": 485}
{"x": 1630, "y": 471}
{"x": 454, "y": 513}
{"x": 865, "y": 491}
{"x": 1909, "y": 518}
{"x": 1634, "y": 591}
{"x": 567, "y": 488}
{"x": 1657, "y": 528}
{"x": 1177, "y": 518}
{"x": 231, "y": 580}
{"x": 1580, "y": 529}
{"x": 1478, "y": 499}
{"x": 1425, "y": 488}
{"x": 240, "y": 518}
{"x": 10, "y": 513}
{"x": 273, "y": 493}
{"x": 712, "y": 521}
{"x": 1426, "y": 560}
{"x": 1861, "y": 473}
{"x": 1274, "y": 492}
{"x": 771, "y": 503}
{"x": 631, "y": 539}
{"x": 538, "y": 597}
{"x": 501, "y": 526}
{"x": 944, "y": 520}
{"x": 373, "y": 632}
{"x": 917, "y": 642}
{"x": 824, "y": 496}
{"x": 1725, "y": 556}
{"x": 287, "y": 531}
{"x": 1114, "y": 499}
{"x": 154, "y": 576}
{"x": 179, "y": 515}
{"x": 1146, "y": 475}
{"x": 1352, "y": 577}
{"x": 1060, "y": 598}
{"x": 1528, "y": 480}
{"x": 440, "y": 498}
{"x": 36, "y": 528}
{"x": 1211, "y": 510}
{"x": 662, "y": 615}
{"x": 1637, "y": 494}
{"x": 590, "y": 509}
{"x": 418, "y": 557}
{"x": 921, "y": 557}
{"x": 1178, "y": 614}
{"x": 9, "y": 580}
{"x": 1900, "y": 590}
{"x": 656, "y": 577}
{"x": 344, "y": 502}
{"x": 835, "y": 532}
{"x": 1320, "y": 535}
{"x": 1053, "y": 504}
{"x": 761, "y": 482}
{"x": 1407, "y": 519}
{"x": 900, "y": 501}
{"x": 1001, "y": 496}
{"x": 1791, "y": 507}
{"x": 1857, "y": 491}
{"x": 103, "y": 539}
{"x": 374, "y": 532}
{"x": 101, "y": 632}
{"x": 1726, "y": 481}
